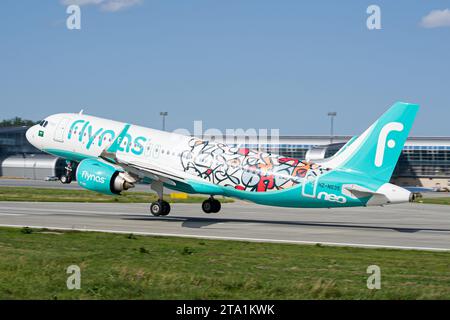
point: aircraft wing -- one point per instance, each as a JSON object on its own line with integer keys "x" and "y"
{"x": 137, "y": 167}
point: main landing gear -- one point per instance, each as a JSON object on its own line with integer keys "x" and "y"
{"x": 211, "y": 205}
{"x": 159, "y": 207}
{"x": 162, "y": 208}
{"x": 67, "y": 177}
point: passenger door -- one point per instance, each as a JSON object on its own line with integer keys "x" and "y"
{"x": 61, "y": 129}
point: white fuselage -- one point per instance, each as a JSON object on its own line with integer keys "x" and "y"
{"x": 214, "y": 168}
{"x": 77, "y": 136}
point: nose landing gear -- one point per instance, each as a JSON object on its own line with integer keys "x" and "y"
{"x": 67, "y": 177}
{"x": 211, "y": 205}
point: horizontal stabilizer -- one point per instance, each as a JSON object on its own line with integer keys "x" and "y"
{"x": 358, "y": 192}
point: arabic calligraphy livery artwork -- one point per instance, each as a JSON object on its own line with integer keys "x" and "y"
{"x": 243, "y": 168}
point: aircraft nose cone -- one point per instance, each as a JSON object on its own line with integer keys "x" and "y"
{"x": 30, "y": 134}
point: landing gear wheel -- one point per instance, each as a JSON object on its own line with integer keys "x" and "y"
{"x": 211, "y": 206}
{"x": 166, "y": 208}
{"x": 160, "y": 208}
{"x": 216, "y": 206}
{"x": 156, "y": 208}
{"x": 65, "y": 179}
{"x": 207, "y": 206}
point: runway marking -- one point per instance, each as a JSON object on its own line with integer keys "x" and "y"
{"x": 68, "y": 211}
{"x": 337, "y": 244}
{"x": 49, "y": 212}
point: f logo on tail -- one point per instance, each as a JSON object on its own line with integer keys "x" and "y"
{"x": 383, "y": 141}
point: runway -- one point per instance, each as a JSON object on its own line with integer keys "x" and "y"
{"x": 408, "y": 226}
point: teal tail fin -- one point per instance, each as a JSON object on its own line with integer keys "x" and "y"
{"x": 375, "y": 153}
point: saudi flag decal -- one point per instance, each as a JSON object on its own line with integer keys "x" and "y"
{"x": 41, "y": 133}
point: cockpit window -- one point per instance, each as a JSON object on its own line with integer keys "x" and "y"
{"x": 43, "y": 123}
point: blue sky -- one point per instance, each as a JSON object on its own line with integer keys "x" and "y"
{"x": 232, "y": 64}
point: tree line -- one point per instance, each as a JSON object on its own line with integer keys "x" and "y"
{"x": 17, "y": 122}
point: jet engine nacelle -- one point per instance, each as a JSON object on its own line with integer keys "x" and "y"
{"x": 99, "y": 176}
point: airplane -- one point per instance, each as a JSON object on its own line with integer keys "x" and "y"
{"x": 112, "y": 157}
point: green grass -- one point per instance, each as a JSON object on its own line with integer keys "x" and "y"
{"x": 440, "y": 200}
{"x": 33, "y": 265}
{"x": 68, "y": 195}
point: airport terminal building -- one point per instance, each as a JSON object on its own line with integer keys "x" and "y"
{"x": 19, "y": 159}
{"x": 424, "y": 162}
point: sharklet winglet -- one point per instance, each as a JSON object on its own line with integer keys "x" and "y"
{"x": 114, "y": 147}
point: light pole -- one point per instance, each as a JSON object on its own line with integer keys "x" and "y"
{"x": 164, "y": 114}
{"x": 332, "y": 115}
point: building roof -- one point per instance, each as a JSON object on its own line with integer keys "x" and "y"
{"x": 29, "y": 161}
{"x": 313, "y": 140}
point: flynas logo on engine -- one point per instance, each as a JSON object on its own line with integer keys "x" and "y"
{"x": 383, "y": 141}
{"x": 81, "y": 129}
{"x": 92, "y": 177}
